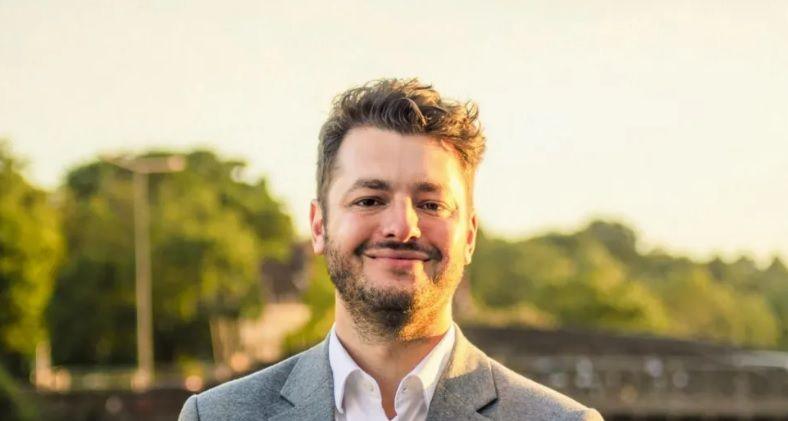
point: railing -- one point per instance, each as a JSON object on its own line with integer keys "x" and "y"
{"x": 115, "y": 378}
{"x": 650, "y": 386}
{"x": 744, "y": 386}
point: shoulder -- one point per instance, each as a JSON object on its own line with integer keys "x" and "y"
{"x": 520, "y": 395}
{"x": 247, "y": 397}
{"x": 502, "y": 394}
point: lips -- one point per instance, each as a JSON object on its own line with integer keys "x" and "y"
{"x": 397, "y": 255}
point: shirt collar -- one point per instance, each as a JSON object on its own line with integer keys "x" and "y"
{"x": 342, "y": 366}
{"x": 428, "y": 370}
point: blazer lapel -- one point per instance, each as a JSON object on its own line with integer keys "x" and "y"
{"x": 466, "y": 385}
{"x": 309, "y": 388}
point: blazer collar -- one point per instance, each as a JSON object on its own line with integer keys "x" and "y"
{"x": 309, "y": 387}
{"x": 465, "y": 387}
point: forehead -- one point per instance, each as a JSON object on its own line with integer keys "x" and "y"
{"x": 368, "y": 152}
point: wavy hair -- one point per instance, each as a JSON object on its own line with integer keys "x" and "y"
{"x": 405, "y": 106}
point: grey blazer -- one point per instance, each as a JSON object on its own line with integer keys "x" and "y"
{"x": 472, "y": 387}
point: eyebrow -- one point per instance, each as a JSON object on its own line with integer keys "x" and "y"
{"x": 428, "y": 187}
{"x": 370, "y": 183}
{"x": 383, "y": 185}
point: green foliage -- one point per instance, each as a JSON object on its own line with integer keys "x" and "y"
{"x": 702, "y": 308}
{"x": 15, "y": 405}
{"x": 30, "y": 250}
{"x": 597, "y": 278}
{"x": 98, "y": 276}
{"x": 774, "y": 285}
{"x": 619, "y": 240}
{"x": 600, "y": 293}
{"x": 741, "y": 274}
{"x": 319, "y": 297}
{"x": 210, "y": 232}
{"x": 573, "y": 279}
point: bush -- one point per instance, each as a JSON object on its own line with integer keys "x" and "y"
{"x": 14, "y": 404}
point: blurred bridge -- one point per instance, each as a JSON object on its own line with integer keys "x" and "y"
{"x": 627, "y": 377}
{"x": 624, "y": 377}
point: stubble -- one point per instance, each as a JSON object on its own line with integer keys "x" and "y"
{"x": 389, "y": 314}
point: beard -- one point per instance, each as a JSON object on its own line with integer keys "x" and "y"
{"x": 390, "y": 313}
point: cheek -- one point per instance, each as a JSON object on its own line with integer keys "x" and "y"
{"x": 444, "y": 235}
{"x": 348, "y": 231}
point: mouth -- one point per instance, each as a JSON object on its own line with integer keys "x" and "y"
{"x": 398, "y": 255}
{"x": 399, "y": 263}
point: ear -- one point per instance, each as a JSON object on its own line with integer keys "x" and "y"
{"x": 317, "y": 227}
{"x": 470, "y": 239}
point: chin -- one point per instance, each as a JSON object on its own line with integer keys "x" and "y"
{"x": 393, "y": 286}
{"x": 395, "y": 280}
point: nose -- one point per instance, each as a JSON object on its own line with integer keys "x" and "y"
{"x": 401, "y": 222}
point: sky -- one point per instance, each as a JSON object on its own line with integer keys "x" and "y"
{"x": 669, "y": 116}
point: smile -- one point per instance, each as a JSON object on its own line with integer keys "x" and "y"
{"x": 403, "y": 255}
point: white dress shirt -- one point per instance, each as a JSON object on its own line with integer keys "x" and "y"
{"x": 357, "y": 395}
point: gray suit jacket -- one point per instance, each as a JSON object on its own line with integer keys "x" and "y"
{"x": 472, "y": 387}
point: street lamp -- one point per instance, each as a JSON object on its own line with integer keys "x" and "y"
{"x": 140, "y": 168}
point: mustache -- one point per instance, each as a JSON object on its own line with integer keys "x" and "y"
{"x": 432, "y": 252}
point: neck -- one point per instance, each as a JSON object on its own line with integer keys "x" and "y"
{"x": 388, "y": 360}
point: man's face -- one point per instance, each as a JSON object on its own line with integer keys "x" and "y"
{"x": 399, "y": 228}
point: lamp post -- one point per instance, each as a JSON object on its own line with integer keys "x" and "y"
{"x": 140, "y": 168}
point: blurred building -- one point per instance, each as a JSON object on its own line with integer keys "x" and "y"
{"x": 283, "y": 283}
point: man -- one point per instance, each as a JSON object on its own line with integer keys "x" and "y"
{"x": 394, "y": 218}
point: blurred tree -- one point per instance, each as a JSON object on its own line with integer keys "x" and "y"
{"x": 774, "y": 284}
{"x": 702, "y": 308}
{"x": 99, "y": 272}
{"x": 600, "y": 292}
{"x": 619, "y": 240}
{"x": 743, "y": 274}
{"x": 597, "y": 278}
{"x": 30, "y": 250}
{"x": 210, "y": 231}
{"x": 15, "y": 405}
{"x": 573, "y": 279}
{"x": 501, "y": 271}
{"x": 319, "y": 297}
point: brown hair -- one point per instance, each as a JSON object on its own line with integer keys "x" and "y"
{"x": 405, "y": 106}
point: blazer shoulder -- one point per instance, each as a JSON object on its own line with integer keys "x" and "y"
{"x": 520, "y": 395}
{"x": 247, "y": 397}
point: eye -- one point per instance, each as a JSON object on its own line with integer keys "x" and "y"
{"x": 368, "y": 202}
{"x": 433, "y": 206}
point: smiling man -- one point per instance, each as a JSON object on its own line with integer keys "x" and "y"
{"x": 395, "y": 220}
